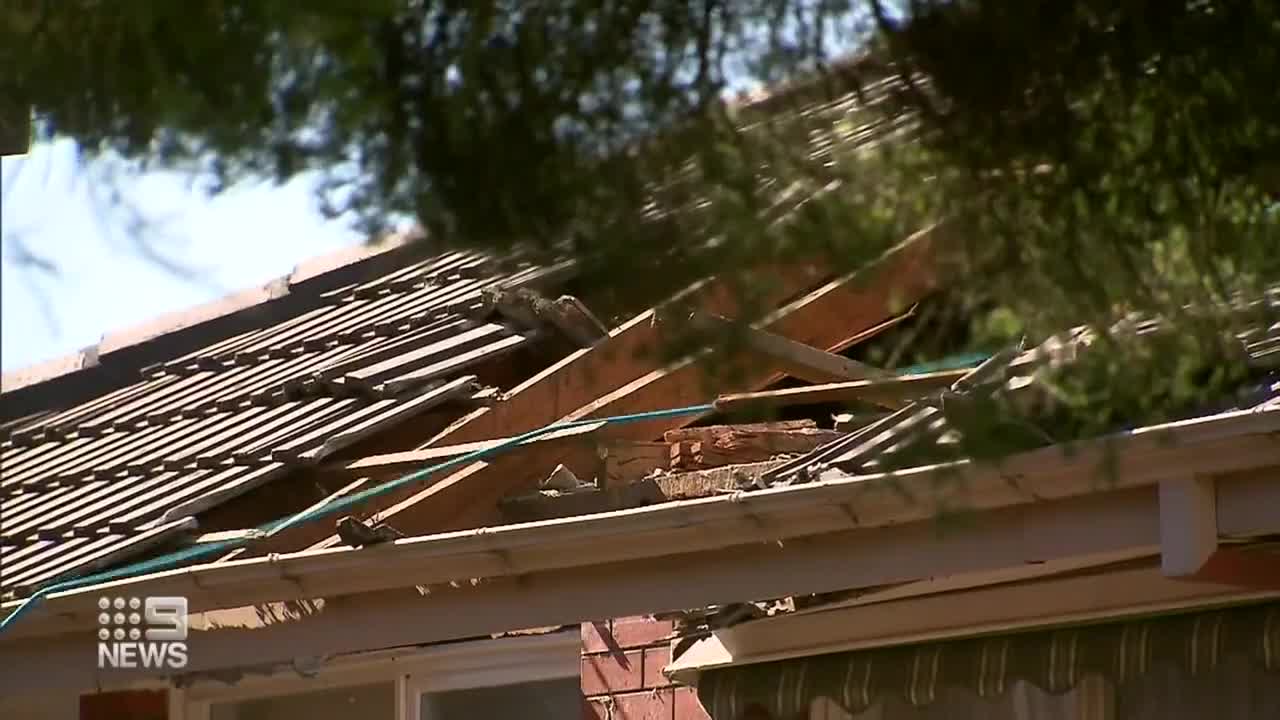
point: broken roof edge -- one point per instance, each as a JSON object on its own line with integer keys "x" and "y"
{"x": 120, "y": 354}
{"x": 1237, "y": 442}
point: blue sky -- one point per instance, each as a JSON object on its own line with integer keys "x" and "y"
{"x": 53, "y": 208}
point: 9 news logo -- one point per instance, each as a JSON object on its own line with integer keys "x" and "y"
{"x": 142, "y": 633}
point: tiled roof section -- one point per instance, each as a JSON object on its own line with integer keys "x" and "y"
{"x": 115, "y": 360}
{"x": 93, "y": 483}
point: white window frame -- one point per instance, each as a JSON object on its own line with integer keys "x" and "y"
{"x": 488, "y": 669}
{"x": 415, "y": 671}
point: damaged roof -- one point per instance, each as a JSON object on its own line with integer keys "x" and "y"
{"x": 110, "y": 477}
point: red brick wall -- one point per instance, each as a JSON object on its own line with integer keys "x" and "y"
{"x": 622, "y": 673}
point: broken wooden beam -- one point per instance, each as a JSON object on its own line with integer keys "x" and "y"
{"x": 795, "y": 358}
{"x": 902, "y": 387}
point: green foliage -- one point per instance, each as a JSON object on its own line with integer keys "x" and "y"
{"x": 1120, "y": 155}
{"x": 1097, "y": 158}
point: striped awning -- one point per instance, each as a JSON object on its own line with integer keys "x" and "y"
{"x": 1053, "y": 660}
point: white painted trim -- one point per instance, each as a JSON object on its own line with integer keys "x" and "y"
{"x": 454, "y": 666}
{"x": 1188, "y": 524}
{"x": 1105, "y": 595}
{"x": 559, "y": 662}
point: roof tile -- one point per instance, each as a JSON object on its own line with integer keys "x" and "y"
{"x": 102, "y": 479}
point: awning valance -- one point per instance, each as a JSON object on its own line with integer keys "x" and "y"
{"x": 1053, "y": 660}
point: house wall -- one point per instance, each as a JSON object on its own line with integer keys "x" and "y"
{"x": 622, "y": 678}
{"x": 44, "y": 706}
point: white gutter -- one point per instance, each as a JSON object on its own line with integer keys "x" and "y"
{"x": 1218, "y": 444}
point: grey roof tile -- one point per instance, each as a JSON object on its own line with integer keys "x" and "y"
{"x": 102, "y": 481}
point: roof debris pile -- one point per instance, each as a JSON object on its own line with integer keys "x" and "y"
{"x": 1009, "y": 403}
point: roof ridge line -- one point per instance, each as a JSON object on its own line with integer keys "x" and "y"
{"x": 173, "y": 321}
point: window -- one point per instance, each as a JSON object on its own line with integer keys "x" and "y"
{"x": 544, "y": 700}
{"x": 529, "y": 676}
{"x": 359, "y": 702}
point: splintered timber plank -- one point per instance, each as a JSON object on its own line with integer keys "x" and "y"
{"x": 796, "y": 359}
